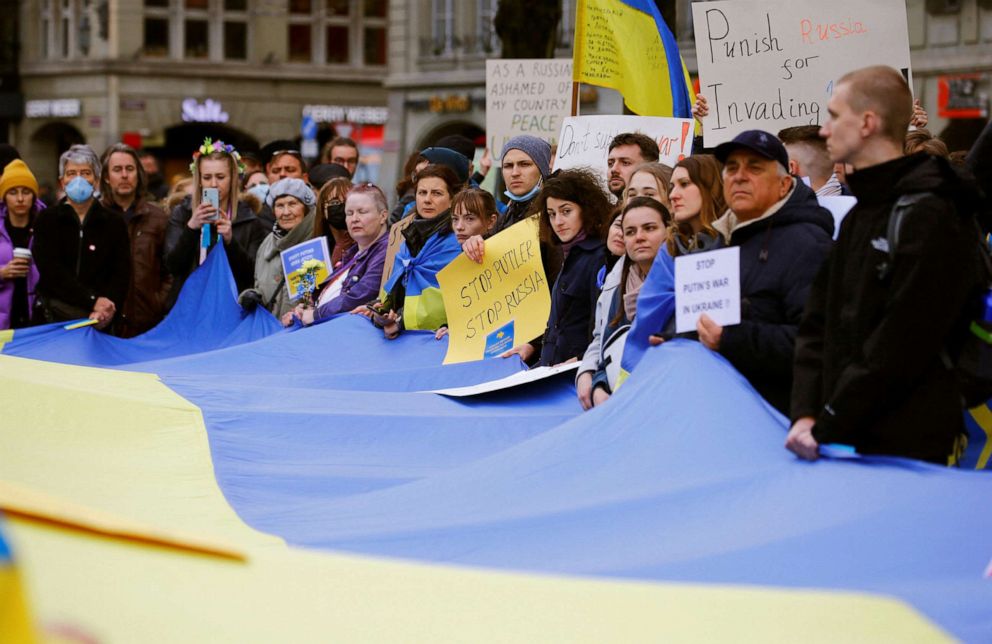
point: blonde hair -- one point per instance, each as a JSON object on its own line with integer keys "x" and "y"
{"x": 235, "y": 194}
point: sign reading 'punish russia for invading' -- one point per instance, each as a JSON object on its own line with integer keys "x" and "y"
{"x": 499, "y": 304}
{"x": 772, "y": 64}
{"x": 530, "y": 96}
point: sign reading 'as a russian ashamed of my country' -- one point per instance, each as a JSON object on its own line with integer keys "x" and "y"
{"x": 499, "y": 304}
{"x": 527, "y": 96}
{"x": 772, "y": 64}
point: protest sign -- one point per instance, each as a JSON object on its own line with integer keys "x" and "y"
{"x": 305, "y": 265}
{"x": 585, "y": 140}
{"x": 708, "y": 283}
{"x": 393, "y": 246}
{"x": 772, "y": 64}
{"x": 498, "y": 304}
{"x": 839, "y": 206}
{"x": 526, "y": 97}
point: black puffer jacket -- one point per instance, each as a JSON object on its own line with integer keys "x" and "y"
{"x": 182, "y": 246}
{"x": 868, "y": 365}
{"x": 780, "y": 256}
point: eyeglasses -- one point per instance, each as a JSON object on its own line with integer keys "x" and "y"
{"x": 293, "y": 153}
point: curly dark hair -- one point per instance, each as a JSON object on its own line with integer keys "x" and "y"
{"x": 582, "y": 187}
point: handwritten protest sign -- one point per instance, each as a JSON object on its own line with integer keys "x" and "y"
{"x": 772, "y": 64}
{"x": 499, "y": 304}
{"x": 708, "y": 283}
{"x": 526, "y": 97}
{"x": 585, "y": 140}
{"x": 305, "y": 265}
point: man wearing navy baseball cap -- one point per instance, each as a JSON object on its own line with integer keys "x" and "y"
{"x": 784, "y": 236}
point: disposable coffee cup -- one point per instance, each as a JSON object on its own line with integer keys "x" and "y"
{"x": 22, "y": 253}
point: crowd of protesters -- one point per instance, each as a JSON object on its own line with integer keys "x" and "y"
{"x": 848, "y": 338}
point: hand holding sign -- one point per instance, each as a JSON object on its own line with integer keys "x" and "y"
{"x": 710, "y": 284}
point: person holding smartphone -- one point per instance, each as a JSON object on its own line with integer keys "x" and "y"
{"x": 213, "y": 214}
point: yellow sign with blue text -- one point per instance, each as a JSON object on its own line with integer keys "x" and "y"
{"x": 498, "y": 304}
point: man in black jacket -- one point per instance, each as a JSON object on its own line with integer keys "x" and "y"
{"x": 783, "y": 235}
{"x": 870, "y": 368}
{"x": 82, "y": 250}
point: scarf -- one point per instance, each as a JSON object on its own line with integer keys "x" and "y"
{"x": 632, "y": 289}
{"x": 420, "y": 230}
{"x": 567, "y": 246}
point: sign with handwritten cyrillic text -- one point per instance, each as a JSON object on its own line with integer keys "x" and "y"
{"x": 772, "y": 64}
{"x": 526, "y": 97}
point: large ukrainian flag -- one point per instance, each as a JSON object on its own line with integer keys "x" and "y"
{"x": 306, "y": 486}
{"x": 626, "y": 45}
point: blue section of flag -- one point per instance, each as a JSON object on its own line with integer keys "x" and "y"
{"x": 681, "y": 101}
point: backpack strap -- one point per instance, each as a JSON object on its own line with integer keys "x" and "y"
{"x": 899, "y": 210}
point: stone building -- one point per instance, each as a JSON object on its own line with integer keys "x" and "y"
{"x": 164, "y": 74}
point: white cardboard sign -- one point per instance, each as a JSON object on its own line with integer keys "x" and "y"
{"x": 526, "y": 97}
{"x": 585, "y": 140}
{"x": 708, "y": 283}
{"x": 839, "y": 206}
{"x": 771, "y": 64}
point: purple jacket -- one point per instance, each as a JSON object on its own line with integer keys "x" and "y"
{"x": 361, "y": 286}
{"x": 6, "y": 255}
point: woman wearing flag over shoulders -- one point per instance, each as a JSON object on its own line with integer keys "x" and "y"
{"x": 412, "y": 297}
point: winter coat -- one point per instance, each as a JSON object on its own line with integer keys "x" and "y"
{"x": 269, "y": 278}
{"x": 6, "y": 255}
{"x": 573, "y": 304}
{"x": 80, "y": 262}
{"x": 780, "y": 256}
{"x": 868, "y": 357}
{"x": 150, "y": 284}
{"x": 182, "y": 246}
{"x": 361, "y": 285}
{"x": 592, "y": 357}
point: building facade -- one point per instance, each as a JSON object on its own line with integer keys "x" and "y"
{"x": 164, "y": 74}
{"x": 395, "y": 74}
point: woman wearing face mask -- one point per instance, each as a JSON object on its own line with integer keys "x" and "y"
{"x": 650, "y": 180}
{"x": 576, "y": 215}
{"x": 292, "y": 203}
{"x": 18, "y": 274}
{"x": 413, "y": 296}
{"x": 234, "y": 225}
{"x": 358, "y": 277}
{"x": 696, "y": 198}
{"x": 330, "y": 221}
{"x": 645, "y": 225}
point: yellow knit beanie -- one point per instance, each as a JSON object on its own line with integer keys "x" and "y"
{"x": 17, "y": 175}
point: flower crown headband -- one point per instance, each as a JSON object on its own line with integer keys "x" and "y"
{"x": 209, "y": 147}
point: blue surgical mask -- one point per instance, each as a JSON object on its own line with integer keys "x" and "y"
{"x": 260, "y": 190}
{"x": 79, "y": 190}
{"x": 527, "y": 197}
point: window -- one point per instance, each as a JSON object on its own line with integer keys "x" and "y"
{"x": 47, "y": 29}
{"x": 337, "y": 32}
{"x": 156, "y": 37}
{"x": 196, "y": 29}
{"x": 196, "y": 42}
{"x": 235, "y": 40}
{"x": 442, "y": 27}
{"x": 566, "y": 26}
{"x": 300, "y": 43}
{"x": 486, "y": 32}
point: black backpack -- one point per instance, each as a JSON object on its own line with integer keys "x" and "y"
{"x": 972, "y": 362}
